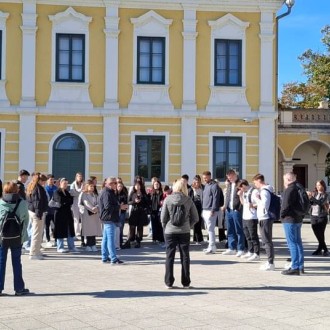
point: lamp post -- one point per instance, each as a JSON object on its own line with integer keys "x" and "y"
{"x": 289, "y": 4}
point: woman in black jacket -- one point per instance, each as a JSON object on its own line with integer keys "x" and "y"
{"x": 138, "y": 218}
{"x": 37, "y": 200}
{"x": 319, "y": 200}
{"x": 64, "y": 225}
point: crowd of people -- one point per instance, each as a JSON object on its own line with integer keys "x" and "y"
{"x": 56, "y": 210}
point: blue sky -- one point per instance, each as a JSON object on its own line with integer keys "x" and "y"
{"x": 298, "y": 32}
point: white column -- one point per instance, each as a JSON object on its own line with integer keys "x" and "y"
{"x": 189, "y": 58}
{"x": 287, "y": 167}
{"x": 111, "y": 55}
{"x": 188, "y": 146}
{"x": 29, "y": 28}
{"x": 267, "y": 78}
{"x": 27, "y": 141}
{"x": 267, "y": 147}
{"x": 110, "y": 146}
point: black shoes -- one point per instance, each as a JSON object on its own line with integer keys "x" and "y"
{"x": 317, "y": 253}
{"x": 127, "y": 245}
{"x": 137, "y": 245}
{"x": 117, "y": 262}
{"x": 326, "y": 253}
{"x": 291, "y": 271}
{"x": 22, "y": 292}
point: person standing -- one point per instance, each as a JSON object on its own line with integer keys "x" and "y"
{"x": 233, "y": 206}
{"x": 178, "y": 235}
{"x": 21, "y": 180}
{"x": 211, "y": 203}
{"x": 248, "y": 197}
{"x": 122, "y": 195}
{"x": 76, "y": 187}
{"x": 197, "y": 189}
{"x": 292, "y": 223}
{"x": 8, "y": 203}
{"x": 109, "y": 215}
{"x": 319, "y": 200}
{"x": 37, "y": 204}
{"x": 265, "y": 223}
{"x": 50, "y": 189}
{"x": 64, "y": 226}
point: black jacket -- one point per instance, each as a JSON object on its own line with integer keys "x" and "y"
{"x": 109, "y": 206}
{"x": 290, "y": 203}
{"x": 38, "y": 201}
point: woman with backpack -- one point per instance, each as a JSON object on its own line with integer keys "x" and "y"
{"x": 178, "y": 216}
{"x": 11, "y": 200}
{"x": 319, "y": 200}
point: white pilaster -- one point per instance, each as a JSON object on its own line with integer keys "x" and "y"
{"x": 111, "y": 65}
{"x": 188, "y": 146}
{"x": 287, "y": 167}
{"x": 267, "y": 149}
{"x": 29, "y": 29}
{"x": 110, "y": 146}
{"x": 27, "y": 141}
{"x": 266, "y": 61}
{"x": 189, "y": 58}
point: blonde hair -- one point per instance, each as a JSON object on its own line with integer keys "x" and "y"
{"x": 180, "y": 186}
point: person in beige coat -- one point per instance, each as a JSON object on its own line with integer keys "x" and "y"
{"x": 90, "y": 220}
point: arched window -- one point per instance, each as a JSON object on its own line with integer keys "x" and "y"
{"x": 68, "y": 156}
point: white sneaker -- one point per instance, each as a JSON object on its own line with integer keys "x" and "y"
{"x": 229, "y": 252}
{"x": 267, "y": 267}
{"x": 62, "y": 251}
{"x": 210, "y": 250}
{"x": 38, "y": 257}
{"x": 239, "y": 253}
{"x": 95, "y": 249}
{"x": 89, "y": 249}
{"x": 49, "y": 244}
{"x": 288, "y": 265}
{"x": 247, "y": 255}
{"x": 254, "y": 257}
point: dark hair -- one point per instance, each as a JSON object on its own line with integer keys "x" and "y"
{"x": 185, "y": 176}
{"x": 208, "y": 173}
{"x": 322, "y": 183}
{"x": 231, "y": 171}
{"x": 243, "y": 183}
{"x": 50, "y": 176}
{"x": 259, "y": 177}
{"x": 24, "y": 172}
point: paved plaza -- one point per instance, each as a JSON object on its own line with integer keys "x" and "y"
{"x": 77, "y": 291}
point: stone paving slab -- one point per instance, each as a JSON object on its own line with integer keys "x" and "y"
{"x": 77, "y": 291}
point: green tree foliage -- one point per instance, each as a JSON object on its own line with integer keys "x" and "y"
{"x": 317, "y": 70}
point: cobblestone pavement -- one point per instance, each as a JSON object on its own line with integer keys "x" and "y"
{"x": 77, "y": 291}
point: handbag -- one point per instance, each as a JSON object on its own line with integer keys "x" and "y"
{"x": 53, "y": 204}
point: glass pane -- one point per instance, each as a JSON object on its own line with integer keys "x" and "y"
{"x": 233, "y": 62}
{"x": 233, "y": 48}
{"x": 156, "y": 171}
{"x": 144, "y": 60}
{"x": 233, "y": 77}
{"x": 64, "y": 43}
{"x": 233, "y": 145}
{"x": 157, "y": 75}
{"x": 221, "y": 62}
{"x": 77, "y": 58}
{"x": 142, "y": 145}
{"x": 143, "y": 171}
{"x": 221, "y": 48}
{"x": 144, "y": 46}
{"x": 63, "y": 72}
{"x": 70, "y": 143}
{"x": 77, "y": 73}
{"x": 64, "y": 57}
{"x": 157, "y": 61}
{"x": 77, "y": 43}
{"x": 144, "y": 75}
{"x": 221, "y": 77}
{"x": 157, "y": 47}
{"x": 220, "y": 145}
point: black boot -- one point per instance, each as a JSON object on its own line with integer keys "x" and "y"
{"x": 127, "y": 245}
{"x": 317, "y": 252}
{"x": 137, "y": 245}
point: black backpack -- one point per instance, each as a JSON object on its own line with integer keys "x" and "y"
{"x": 274, "y": 210}
{"x": 304, "y": 203}
{"x": 11, "y": 229}
{"x": 178, "y": 215}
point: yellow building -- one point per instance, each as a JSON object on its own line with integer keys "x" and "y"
{"x": 127, "y": 87}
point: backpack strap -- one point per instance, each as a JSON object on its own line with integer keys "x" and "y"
{"x": 16, "y": 206}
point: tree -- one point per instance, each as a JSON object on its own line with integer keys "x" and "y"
{"x": 316, "y": 68}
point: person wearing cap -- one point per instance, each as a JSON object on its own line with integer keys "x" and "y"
{"x": 21, "y": 180}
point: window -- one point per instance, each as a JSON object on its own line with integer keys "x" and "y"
{"x": 0, "y": 54}
{"x": 228, "y": 62}
{"x": 70, "y": 57}
{"x": 150, "y": 60}
{"x": 149, "y": 156}
{"x": 227, "y": 154}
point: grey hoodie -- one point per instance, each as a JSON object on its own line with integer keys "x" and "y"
{"x": 191, "y": 216}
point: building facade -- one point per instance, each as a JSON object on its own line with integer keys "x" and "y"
{"x": 127, "y": 87}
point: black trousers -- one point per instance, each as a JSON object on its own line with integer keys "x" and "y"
{"x": 49, "y": 219}
{"x": 91, "y": 240}
{"x": 135, "y": 233}
{"x": 182, "y": 241}
{"x": 157, "y": 229}
{"x": 318, "y": 227}
{"x": 250, "y": 228}
{"x": 266, "y": 232}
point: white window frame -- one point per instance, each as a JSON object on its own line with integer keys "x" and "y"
{"x": 166, "y": 135}
{"x": 233, "y": 135}
{"x": 3, "y": 96}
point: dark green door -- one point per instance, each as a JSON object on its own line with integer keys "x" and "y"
{"x": 68, "y": 156}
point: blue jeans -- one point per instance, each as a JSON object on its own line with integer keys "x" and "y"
{"x": 60, "y": 243}
{"x": 235, "y": 234}
{"x": 17, "y": 267}
{"x": 293, "y": 237}
{"x": 108, "y": 245}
